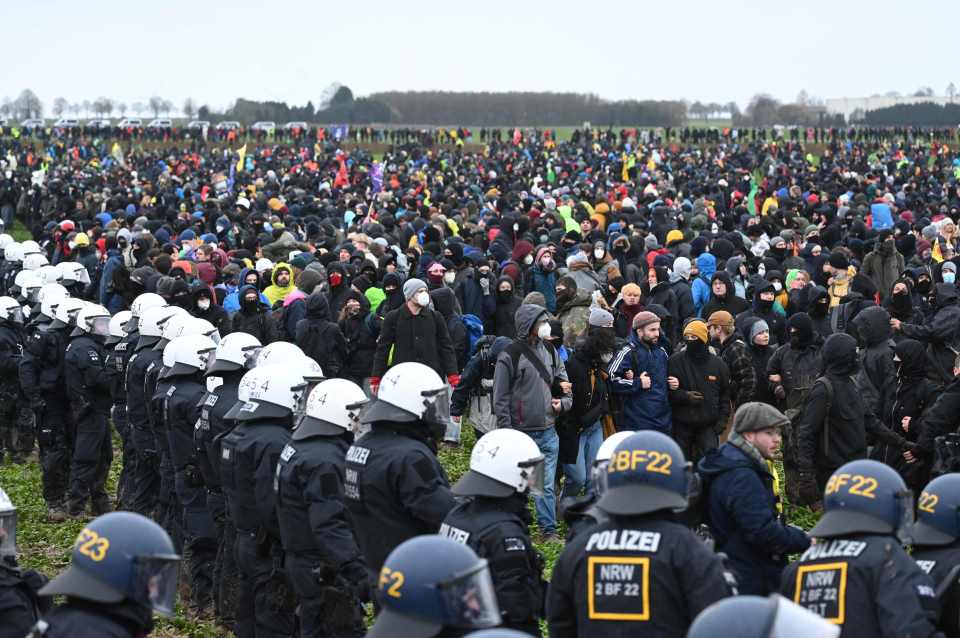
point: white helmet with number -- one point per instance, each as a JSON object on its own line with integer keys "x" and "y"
{"x": 34, "y": 261}
{"x": 151, "y": 323}
{"x": 49, "y": 296}
{"x": 28, "y": 282}
{"x": 189, "y": 325}
{"x": 268, "y": 392}
{"x": 277, "y": 352}
{"x": 408, "y": 392}
{"x": 141, "y": 304}
{"x": 187, "y": 355}
{"x": 10, "y": 310}
{"x": 66, "y": 309}
{"x": 233, "y": 353}
{"x": 49, "y": 274}
{"x": 333, "y": 408}
{"x": 117, "y": 332}
{"x": 72, "y": 273}
{"x": 503, "y": 462}
{"x": 598, "y": 472}
{"x": 92, "y": 319}
{"x": 13, "y": 252}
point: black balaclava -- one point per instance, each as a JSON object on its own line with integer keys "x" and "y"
{"x": 800, "y": 327}
{"x": 840, "y": 354}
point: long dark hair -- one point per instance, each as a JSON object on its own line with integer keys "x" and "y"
{"x": 597, "y": 342}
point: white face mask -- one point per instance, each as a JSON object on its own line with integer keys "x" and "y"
{"x": 203, "y": 304}
{"x": 544, "y": 331}
{"x": 423, "y": 299}
{"x": 777, "y": 286}
{"x": 598, "y": 253}
{"x": 606, "y": 358}
{"x": 448, "y": 277}
{"x": 528, "y": 259}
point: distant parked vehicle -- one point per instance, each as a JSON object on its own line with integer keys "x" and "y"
{"x": 198, "y": 124}
{"x": 229, "y": 125}
{"x": 33, "y": 123}
{"x": 160, "y": 123}
{"x": 67, "y": 122}
{"x": 128, "y": 122}
{"x": 303, "y": 126}
{"x": 266, "y": 127}
{"x": 100, "y": 123}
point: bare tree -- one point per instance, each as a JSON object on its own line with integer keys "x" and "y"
{"x": 74, "y": 108}
{"x": 87, "y": 105}
{"x": 166, "y": 107}
{"x": 28, "y": 105}
{"x": 122, "y": 109}
{"x": 139, "y": 107}
{"x": 60, "y": 106}
{"x": 923, "y": 91}
{"x": 802, "y": 98}
{"x": 189, "y": 108}
{"x": 156, "y": 105}
{"x": 6, "y": 107}
{"x": 107, "y": 106}
{"x": 951, "y": 91}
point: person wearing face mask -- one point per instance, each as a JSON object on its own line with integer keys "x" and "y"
{"x": 248, "y": 277}
{"x": 254, "y": 316}
{"x": 204, "y": 307}
{"x": 764, "y": 301}
{"x": 818, "y": 307}
{"x": 884, "y": 264}
{"x": 542, "y": 277}
{"x": 415, "y": 332}
{"x": 948, "y": 272}
{"x": 502, "y": 323}
{"x": 573, "y": 309}
{"x": 657, "y": 291}
{"x": 473, "y": 289}
{"x": 359, "y": 330}
{"x": 700, "y": 403}
{"x": 758, "y": 342}
{"x": 900, "y": 302}
{"x": 938, "y": 333}
{"x": 338, "y": 280}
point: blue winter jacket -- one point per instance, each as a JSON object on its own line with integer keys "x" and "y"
{"x": 707, "y": 265}
{"x": 231, "y": 303}
{"x": 112, "y": 301}
{"x": 545, "y": 283}
{"x": 642, "y": 409}
{"x": 743, "y": 518}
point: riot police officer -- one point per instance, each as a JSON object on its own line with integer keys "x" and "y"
{"x": 432, "y": 586}
{"x": 858, "y": 576}
{"x": 20, "y": 605}
{"x": 122, "y": 569}
{"x": 225, "y": 367}
{"x": 249, "y": 453}
{"x": 146, "y": 472}
{"x": 89, "y": 382}
{"x": 322, "y": 560}
{"x": 116, "y": 346}
{"x": 581, "y": 512}
{"x": 185, "y": 360}
{"x": 757, "y": 617}
{"x": 936, "y": 545}
{"x": 506, "y": 466}
{"x": 640, "y": 572}
{"x": 15, "y": 437}
{"x": 42, "y": 381}
{"x": 394, "y": 485}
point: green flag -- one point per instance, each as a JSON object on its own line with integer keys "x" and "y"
{"x": 751, "y": 198}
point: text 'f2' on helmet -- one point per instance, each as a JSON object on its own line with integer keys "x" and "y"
{"x": 121, "y": 556}
{"x": 333, "y": 407}
{"x": 73, "y": 273}
{"x": 117, "y": 322}
{"x": 429, "y": 583}
{"x": 756, "y": 617}
{"x": 410, "y": 392}
{"x": 503, "y": 462}
{"x": 66, "y": 311}
{"x": 598, "y": 472}
{"x": 938, "y": 512}
{"x": 233, "y": 353}
{"x": 92, "y": 319}
{"x": 10, "y": 310}
{"x": 646, "y": 473}
{"x": 187, "y": 355}
{"x": 267, "y": 392}
{"x": 865, "y": 497}
{"x": 141, "y": 304}
{"x": 151, "y": 322}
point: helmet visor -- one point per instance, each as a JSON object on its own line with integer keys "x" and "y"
{"x": 437, "y": 406}
{"x": 8, "y": 532}
{"x": 791, "y": 619}
{"x": 31, "y": 294}
{"x": 155, "y": 583}
{"x": 599, "y": 476}
{"x": 16, "y": 314}
{"x": 100, "y": 326}
{"x": 907, "y": 517}
{"x": 469, "y": 600}
{"x": 533, "y": 471}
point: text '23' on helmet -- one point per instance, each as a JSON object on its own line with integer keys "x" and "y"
{"x": 268, "y": 392}
{"x": 187, "y": 355}
{"x": 233, "y": 353}
{"x": 121, "y": 556}
{"x": 429, "y": 583}
{"x": 333, "y": 407}
{"x": 757, "y": 617}
{"x": 938, "y": 512}
{"x": 73, "y": 274}
{"x": 10, "y": 310}
{"x": 865, "y": 497}
{"x": 92, "y": 319}
{"x": 410, "y": 392}
{"x": 66, "y": 312}
{"x": 141, "y": 304}
{"x": 646, "y": 473}
{"x": 503, "y": 462}
{"x": 151, "y": 322}
{"x": 117, "y": 322}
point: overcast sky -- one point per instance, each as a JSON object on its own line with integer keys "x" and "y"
{"x": 215, "y": 51}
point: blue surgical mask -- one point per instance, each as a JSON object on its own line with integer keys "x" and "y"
{"x": 949, "y": 277}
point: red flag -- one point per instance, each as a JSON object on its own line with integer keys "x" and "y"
{"x": 342, "y": 179}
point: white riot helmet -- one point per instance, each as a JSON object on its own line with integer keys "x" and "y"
{"x": 66, "y": 311}
{"x": 409, "y": 392}
{"x": 277, "y": 352}
{"x": 333, "y": 408}
{"x": 172, "y": 328}
{"x": 73, "y": 274}
{"x": 5, "y": 240}
{"x": 117, "y": 322}
{"x": 233, "y": 353}
{"x": 598, "y": 472}
{"x": 150, "y": 324}
{"x": 49, "y": 296}
{"x": 34, "y": 261}
{"x": 503, "y": 462}
{"x": 92, "y": 319}
{"x": 267, "y": 392}
{"x": 10, "y": 310}
{"x": 30, "y": 247}
{"x": 186, "y": 324}
{"x": 13, "y": 252}
{"x": 141, "y": 304}
{"x": 49, "y": 274}
{"x": 28, "y": 284}
{"x": 187, "y": 355}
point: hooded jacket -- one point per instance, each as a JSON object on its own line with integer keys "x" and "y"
{"x": 706, "y": 265}
{"x": 475, "y": 390}
{"x": 521, "y": 397}
{"x": 320, "y": 338}
{"x": 276, "y": 293}
{"x": 214, "y": 314}
{"x": 574, "y": 315}
{"x": 940, "y": 334}
{"x": 883, "y": 265}
{"x": 421, "y": 337}
{"x": 340, "y": 293}
{"x": 774, "y": 319}
{"x": 642, "y": 409}
{"x": 707, "y": 375}
{"x": 231, "y": 303}
{"x": 257, "y": 322}
{"x": 729, "y": 301}
{"x": 876, "y": 359}
{"x": 445, "y": 302}
{"x": 502, "y": 323}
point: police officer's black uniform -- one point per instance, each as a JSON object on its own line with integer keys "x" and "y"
{"x": 145, "y": 482}
{"x": 181, "y": 411}
{"x": 168, "y": 513}
{"x": 20, "y": 605}
{"x": 638, "y": 573}
{"x": 322, "y": 559}
{"x": 858, "y": 575}
{"x": 16, "y": 436}
{"x": 936, "y": 545}
{"x": 89, "y": 383}
{"x": 117, "y": 359}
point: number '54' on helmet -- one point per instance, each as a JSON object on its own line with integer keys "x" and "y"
{"x": 121, "y": 556}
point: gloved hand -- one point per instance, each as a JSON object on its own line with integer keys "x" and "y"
{"x": 694, "y": 397}
{"x": 485, "y": 285}
{"x": 453, "y": 380}
{"x": 779, "y": 392}
{"x": 374, "y": 385}
{"x": 807, "y": 488}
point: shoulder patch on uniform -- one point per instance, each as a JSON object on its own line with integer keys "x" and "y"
{"x": 514, "y": 544}
{"x": 287, "y": 453}
{"x": 927, "y": 565}
{"x": 357, "y": 454}
{"x": 92, "y": 355}
{"x": 170, "y": 392}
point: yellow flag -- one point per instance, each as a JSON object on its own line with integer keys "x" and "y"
{"x": 243, "y": 156}
{"x": 935, "y": 253}
{"x": 624, "y": 176}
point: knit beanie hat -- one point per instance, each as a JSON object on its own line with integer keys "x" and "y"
{"x": 411, "y": 286}
{"x": 644, "y": 319}
{"x": 720, "y": 318}
{"x": 839, "y": 260}
{"x": 758, "y": 326}
{"x": 696, "y": 328}
{"x": 600, "y": 318}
